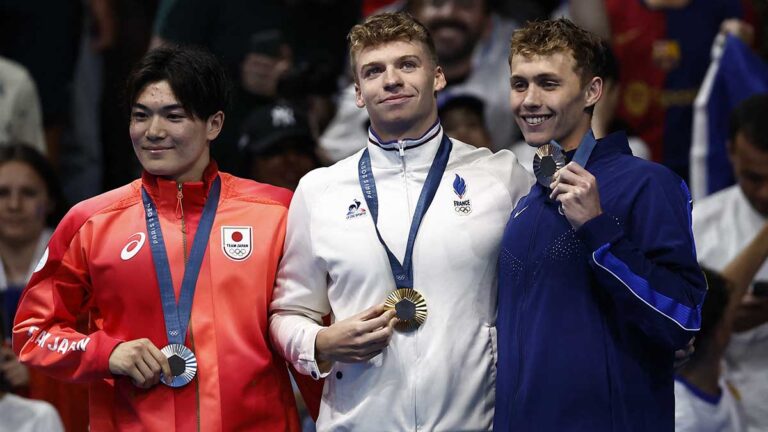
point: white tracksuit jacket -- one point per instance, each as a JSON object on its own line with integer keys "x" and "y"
{"x": 442, "y": 376}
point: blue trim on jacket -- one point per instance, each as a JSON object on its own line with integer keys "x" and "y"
{"x": 588, "y": 344}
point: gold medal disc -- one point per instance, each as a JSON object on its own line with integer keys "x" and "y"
{"x": 410, "y": 308}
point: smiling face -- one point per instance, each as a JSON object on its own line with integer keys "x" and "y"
{"x": 169, "y": 141}
{"x": 549, "y": 99}
{"x": 24, "y": 203}
{"x": 396, "y": 83}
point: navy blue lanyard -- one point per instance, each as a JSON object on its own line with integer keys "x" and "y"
{"x": 177, "y": 314}
{"x": 585, "y": 148}
{"x": 403, "y": 273}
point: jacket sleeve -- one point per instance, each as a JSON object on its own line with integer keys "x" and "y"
{"x": 647, "y": 264}
{"x": 300, "y": 298}
{"x": 44, "y": 333}
{"x": 506, "y": 166}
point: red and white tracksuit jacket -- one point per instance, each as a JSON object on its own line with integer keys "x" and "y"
{"x": 99, "y": 260}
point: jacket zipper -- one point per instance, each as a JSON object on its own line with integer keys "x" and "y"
{"x": 401, "y": 150}
{"x": 519, "y": 320}
{"x": 180, "y": 215}
{"x": 411, "y": 378}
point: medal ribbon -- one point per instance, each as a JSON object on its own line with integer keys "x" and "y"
{"x": 403, "y": 273}
{"x": 177, "y": 314}
{"x": 585, "y": 148}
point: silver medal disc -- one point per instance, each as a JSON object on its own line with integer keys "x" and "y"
{"x": 183, "y": 365}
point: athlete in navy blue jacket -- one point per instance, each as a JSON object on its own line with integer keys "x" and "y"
{"x": 598, "y": 282}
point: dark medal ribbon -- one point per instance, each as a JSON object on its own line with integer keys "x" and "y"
{"x": 181, "y": 359}
{"x": 409, "y": 305}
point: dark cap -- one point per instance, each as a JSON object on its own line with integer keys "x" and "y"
{"x": 269, "y": 126}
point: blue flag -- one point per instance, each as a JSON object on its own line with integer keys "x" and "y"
{"x": 735, "y": 74}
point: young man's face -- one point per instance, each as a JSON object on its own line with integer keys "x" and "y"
{"x": 169, "y": 141}
{"x": 396, "y": 83}
{"x": 750, "y": 166}
{"x": 549, "y": 100}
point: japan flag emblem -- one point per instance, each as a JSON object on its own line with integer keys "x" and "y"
{"x": 237, "y": 242}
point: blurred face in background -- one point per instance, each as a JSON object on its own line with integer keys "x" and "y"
{"x": 24, "y": 203}
{"x": 465, "y": 125}
{"x": 750, "y": 166}
{"x": 456, "y": 26}
{"x": 285, "y": 167}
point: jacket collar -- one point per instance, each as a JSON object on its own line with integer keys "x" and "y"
{"x": 415, "y": 152}
{"x": 165, "y": 192}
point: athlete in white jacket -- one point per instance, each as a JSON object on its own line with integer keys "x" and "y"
{"x": 439, "y": 376}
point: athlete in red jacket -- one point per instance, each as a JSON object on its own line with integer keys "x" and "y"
{"x": 183, "y": 258}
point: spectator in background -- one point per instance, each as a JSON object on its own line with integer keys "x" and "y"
{"x": 663, "y": 59}
{"x": 704, "y": 402}
{"x": 462, "y": 117}
{"x": 30, "y": 203}
{"x": 19, "y": 414}
{"x": 249, "y": 37}
{"x": 277, "y": 146}
{"x": 20, "y": 115}
{"x": 44, "y": 35}
{"x": 472, "y": 43}
{"x": 724, "y": 224}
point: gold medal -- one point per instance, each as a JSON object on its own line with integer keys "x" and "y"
{"x": 548, "y": 159}
{"x": 410, "y": 308}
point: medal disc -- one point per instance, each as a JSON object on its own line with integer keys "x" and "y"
{"x": 548, "y": 159}
{"x": 183, "y": 365}
{"x": 410, "y": 308}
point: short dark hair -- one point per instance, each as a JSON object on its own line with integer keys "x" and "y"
{"x": 25, "y": 153}
{"x": 610, "y": 64}
{"x": 466, "y": 102}
{"x": 197, "y": 78}
{"x": 748, "y": 118}
{"x": 712, "y": 312}
{"x": 544, "y": 38}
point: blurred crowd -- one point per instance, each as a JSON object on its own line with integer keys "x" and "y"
{"x": 679, "y": 73}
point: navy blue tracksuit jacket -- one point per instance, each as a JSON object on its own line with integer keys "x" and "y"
{"x": 588, "y": 320}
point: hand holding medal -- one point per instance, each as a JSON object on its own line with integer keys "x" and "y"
{"x": 141, "y": 361}
{"x": 576, "y": 190}
{"x": 358, "y": 338}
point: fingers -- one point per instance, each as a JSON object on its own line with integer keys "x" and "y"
{"x": 159, "y": 359}
{"x": 140, "y": 360}
{"x": 378, "y": 322}
{"x": 371, "y": 312}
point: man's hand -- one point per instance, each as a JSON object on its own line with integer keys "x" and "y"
{"x": 741, "y": 29}
{"x": 356, "y": 339}
{"x": 683, "y": 355}
{"x": 576, "y": 190}
{"x": 14, "y": 372}
{"x": 750, "y": 313}
{"x": 140, "y": 360}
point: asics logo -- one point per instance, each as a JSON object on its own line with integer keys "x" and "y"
{"x": 134, "y": 245}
